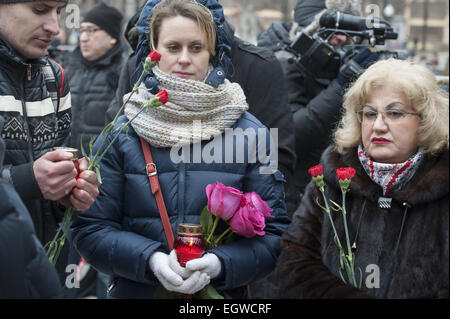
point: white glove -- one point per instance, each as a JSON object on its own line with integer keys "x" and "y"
{"x": 176, "y": 267}
{"x": 209, "y": 264}
{"x": 159, "y": 264}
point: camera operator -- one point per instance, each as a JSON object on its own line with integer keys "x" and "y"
{"x": 315, "y": 98}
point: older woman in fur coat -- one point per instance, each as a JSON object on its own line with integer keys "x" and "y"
{"x": 394, "y": 133}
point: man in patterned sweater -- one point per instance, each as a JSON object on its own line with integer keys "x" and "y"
{"x": 35, "y": 103}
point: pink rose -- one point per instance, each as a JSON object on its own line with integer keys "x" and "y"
{"x": 260, "y": 205}
{"x": 249, "y": 220}
{"x": 223, "y": 201}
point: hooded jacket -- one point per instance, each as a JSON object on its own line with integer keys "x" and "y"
{"x": 26, "y": 271}
{"x": 254, "y": 68}
{"x": 123, "y": 228}
{"x": 406, "y": 246}
{"x": 92, "y": 86}
{"x": 32, "y": 128}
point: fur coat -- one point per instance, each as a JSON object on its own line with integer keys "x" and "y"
{"x": 417, "y": 224}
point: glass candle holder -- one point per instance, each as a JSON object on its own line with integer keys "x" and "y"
{"x": 74, "y": 158}
{"x": 189, "y": 243}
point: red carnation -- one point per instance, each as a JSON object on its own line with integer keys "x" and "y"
{"x": 151, "y": 60}
{"x": 316, "y": 171}
{"x": 317, "y": 176}
{"x": 345, "y": 176}
{"x": 162, "y": 96}
{"x": 154, "y": 56}
{"x": 345, "y": 173}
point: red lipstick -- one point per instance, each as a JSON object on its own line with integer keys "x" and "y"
{"x": 380, "y": 140}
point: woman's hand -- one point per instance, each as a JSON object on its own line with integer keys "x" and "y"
{"x": 160, "y": 265}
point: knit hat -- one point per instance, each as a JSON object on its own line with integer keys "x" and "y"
{"x": 305, "y": 10}
{"x": 17, "y": 1}
{"x": 105, "y": 17}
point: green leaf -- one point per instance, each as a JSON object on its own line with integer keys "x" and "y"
{"x": 107, "y": 129}
{"x": 208, "y": 293}
{"x": 82, "y": 148}
{"x": 338, "y": 207}
{"x": 335, "y": 238}
{"x": 91, "y": 142}
{"x": 341, "y": 258}
{"x": 162, "y": 293}
{"x": 206, "y": 221}
{"x": 360, "y": 278}
{"x": 227, "y": 296}
{"x": 342, "y": 277}
{"x": 316, "y": 200}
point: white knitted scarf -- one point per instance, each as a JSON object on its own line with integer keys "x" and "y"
{"x": 173, "y": 123}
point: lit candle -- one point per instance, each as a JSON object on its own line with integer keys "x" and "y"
{"x": 189, "y": 243}
{"x": 74, "y": 158}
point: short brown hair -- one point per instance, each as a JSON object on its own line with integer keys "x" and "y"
{"x": 186, "y": 8}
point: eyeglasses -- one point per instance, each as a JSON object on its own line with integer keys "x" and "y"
{"x": 89, "y": 31}
{"x": 390, "y": 116}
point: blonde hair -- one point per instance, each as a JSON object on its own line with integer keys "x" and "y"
{"x": 417, "y": 84}
{"x": 186, "y": 8}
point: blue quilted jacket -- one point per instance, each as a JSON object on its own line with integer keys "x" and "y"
{"x": 122, "y": 229}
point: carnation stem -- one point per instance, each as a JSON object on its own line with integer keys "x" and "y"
{"x": 118, "y": 133}
{"x": 55, "y": 245}
{"x": 349, "y": 249}
{"x": 327, "y": 208}
{"x": 138, "y": 83}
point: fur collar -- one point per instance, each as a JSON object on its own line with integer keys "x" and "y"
{"x": 429, "y": 183}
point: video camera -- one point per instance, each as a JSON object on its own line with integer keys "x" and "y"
{"x": 316, "y": 57}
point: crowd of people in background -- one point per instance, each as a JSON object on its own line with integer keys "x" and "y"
{"x": 385, "y": 117}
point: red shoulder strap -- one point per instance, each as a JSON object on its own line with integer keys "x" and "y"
{"x": 156, "y": 190}
{"x": 63, "y": 78}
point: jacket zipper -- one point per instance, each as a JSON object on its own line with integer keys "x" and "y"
{"x": 29, "y": 141}
{"x": 29, "y": 72}
{"x": 25, "y": 116}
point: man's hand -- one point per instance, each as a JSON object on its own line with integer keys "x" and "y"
{"x": 86, "y": 189}
{"x": 55, "y": 174}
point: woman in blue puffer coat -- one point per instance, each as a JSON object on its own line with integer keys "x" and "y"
{"x": 203, "y": 135}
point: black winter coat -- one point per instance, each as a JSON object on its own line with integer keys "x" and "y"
{"x": 32, "y": 128}
{"x": 316, "y": 108}
{"x": 308, "y": 266}
{"x": 315, "y": 105}
{"x": 93, "y": 85}
{"x": 26, "y": 271}
{"x": 261, "y": 77}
